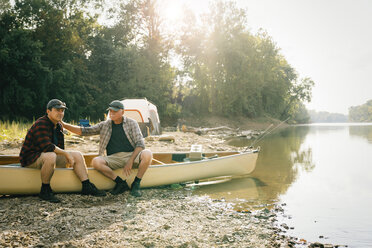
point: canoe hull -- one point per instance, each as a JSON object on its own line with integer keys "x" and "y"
{"x": 18, "y": 180}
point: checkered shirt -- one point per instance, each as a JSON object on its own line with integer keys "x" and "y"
{"x": 104, "y": 129}
{"x": 39, "y": 138}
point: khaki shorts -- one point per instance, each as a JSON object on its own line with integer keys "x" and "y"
{"x": 61, "y": 161}
{"x": 119, "y": 159}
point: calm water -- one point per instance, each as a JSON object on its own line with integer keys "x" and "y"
{"x": 323, "y": 174}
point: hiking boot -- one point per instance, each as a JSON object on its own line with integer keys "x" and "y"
{"x": 91, "y": 189}
{"x": 49, "y": 196}
{"x": 135, "y": 190}
{"x": 120, "y": 188}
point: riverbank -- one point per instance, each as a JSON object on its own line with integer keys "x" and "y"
{"x": 162, "y": 217}
{"x": 172, "y": 216}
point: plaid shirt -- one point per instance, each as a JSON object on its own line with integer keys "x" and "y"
{"x": 104, "y": 129}
{"x": 39, "y": 138}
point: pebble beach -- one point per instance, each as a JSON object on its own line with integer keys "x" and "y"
{"x": 167, "y": 216}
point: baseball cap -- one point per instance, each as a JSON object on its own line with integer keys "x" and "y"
{"x": 55, "y": 103}
{"x": 115, "y": 105}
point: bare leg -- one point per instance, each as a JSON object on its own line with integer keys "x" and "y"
{"x": 100, "y": 165}
{"x": 146, "y": 158}
{"x": 80, "y": 168}
{"x": 47, "y": 169}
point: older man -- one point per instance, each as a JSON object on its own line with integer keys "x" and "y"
{"x": 122, "y": 139}
{"x": 43, "y": 149}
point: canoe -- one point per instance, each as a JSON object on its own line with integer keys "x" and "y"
{"x": 166, "y": 169}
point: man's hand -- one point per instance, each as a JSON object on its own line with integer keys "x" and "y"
{"x": 70, "y": 159}
{"x": 128, "y": 168}
{"x": 72, "y": 128}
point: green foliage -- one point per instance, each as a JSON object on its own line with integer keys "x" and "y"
{"x": 124, "y": 70}
{"x": 362, "y": 113}
{"x": 56, "y": 49}
{"x": 234, "y": 72}
{"x": 43, "y": 56}
{"x": 301, "y": 115}
{"x": 4, "y": 6}
{"x": 24, "y": 78}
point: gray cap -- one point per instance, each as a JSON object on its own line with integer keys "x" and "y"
{"x": 55, "y": 103}
{"x": 115, "y": 105}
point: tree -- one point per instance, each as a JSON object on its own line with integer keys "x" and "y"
{"x": 233, "y": 72}
{"x": 361, "y": 113}
{"x": 57, "y": 33}
{"x": 24, "y": 79}
{"x": 299, "y": 92}
{"x": 131, "y": 58}
{"x": 4, "y": 6}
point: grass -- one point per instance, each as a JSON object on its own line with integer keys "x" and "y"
{"x": 16, "y": 131}
{"x": 13, "y": 131}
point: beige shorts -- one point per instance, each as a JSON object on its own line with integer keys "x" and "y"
{"x": 119, "y": 159}
{"x": 61, "y": 161}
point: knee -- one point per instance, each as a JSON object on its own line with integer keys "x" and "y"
{"x": 146, "y": 155}
{"x": 76, "y": 155}
{"x": 98, "y": 162}
{"x": 49, "y": 158}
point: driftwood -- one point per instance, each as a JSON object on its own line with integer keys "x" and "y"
{"x": 163, "y": 137}
{"x": 223, "y": 131}
{"x": 201, "y": 131}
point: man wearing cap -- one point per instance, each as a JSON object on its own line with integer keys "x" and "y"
{"x": 123, "y": 142}
{"x": 43, "y": 149}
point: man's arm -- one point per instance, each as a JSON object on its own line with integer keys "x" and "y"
{"x": 128, "y": 167}
{"x": 68, "y": 156}
{"x": 136, "y": 134}
{"x": 72, "y": 128}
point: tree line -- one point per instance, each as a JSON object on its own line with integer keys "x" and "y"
{"x": 326, "y": 117}
{"x": 361, "y": 113}
{"x": 57, "y": 49}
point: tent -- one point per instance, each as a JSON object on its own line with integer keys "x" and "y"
{"x": 145, "y": 113}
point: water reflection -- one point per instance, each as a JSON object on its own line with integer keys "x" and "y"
{"x": 364, "y": 131}
{"x": 322, "y": 173}
{"x": 277, "y": 168}
{"x": 280, "y": 158}
{"x": 231, "y": 188}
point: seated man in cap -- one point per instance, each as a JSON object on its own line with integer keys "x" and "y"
{"x": 122, "y": 139}
{"x": 43, "y": 149}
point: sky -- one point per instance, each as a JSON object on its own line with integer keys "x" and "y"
{"x": 329, "y": 41}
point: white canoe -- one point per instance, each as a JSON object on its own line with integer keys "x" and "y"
{"x": 165, "y": 169}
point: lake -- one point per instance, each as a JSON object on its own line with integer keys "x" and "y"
{"x": 322, "y": 176}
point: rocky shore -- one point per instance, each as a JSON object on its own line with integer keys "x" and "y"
{"x": 163, "y": 217}
{"x": 170, "y": 216}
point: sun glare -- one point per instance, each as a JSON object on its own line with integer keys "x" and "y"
{"x": 172, "y": 11}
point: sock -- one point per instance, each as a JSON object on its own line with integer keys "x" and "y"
{"x": 45, "y": 186}
{"x": 118, "y": 180}
{"x": 85, "y": 183}
{"x": 137, "y": 180}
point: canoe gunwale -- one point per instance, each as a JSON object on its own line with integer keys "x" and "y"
{"x": 201, "y": 160}
{"x": 17, "y": 165}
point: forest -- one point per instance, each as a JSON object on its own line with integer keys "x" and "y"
{"x": 210, "y": 64}
{"x": 326, "y": 117}
{"x": 361, "y": 113}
